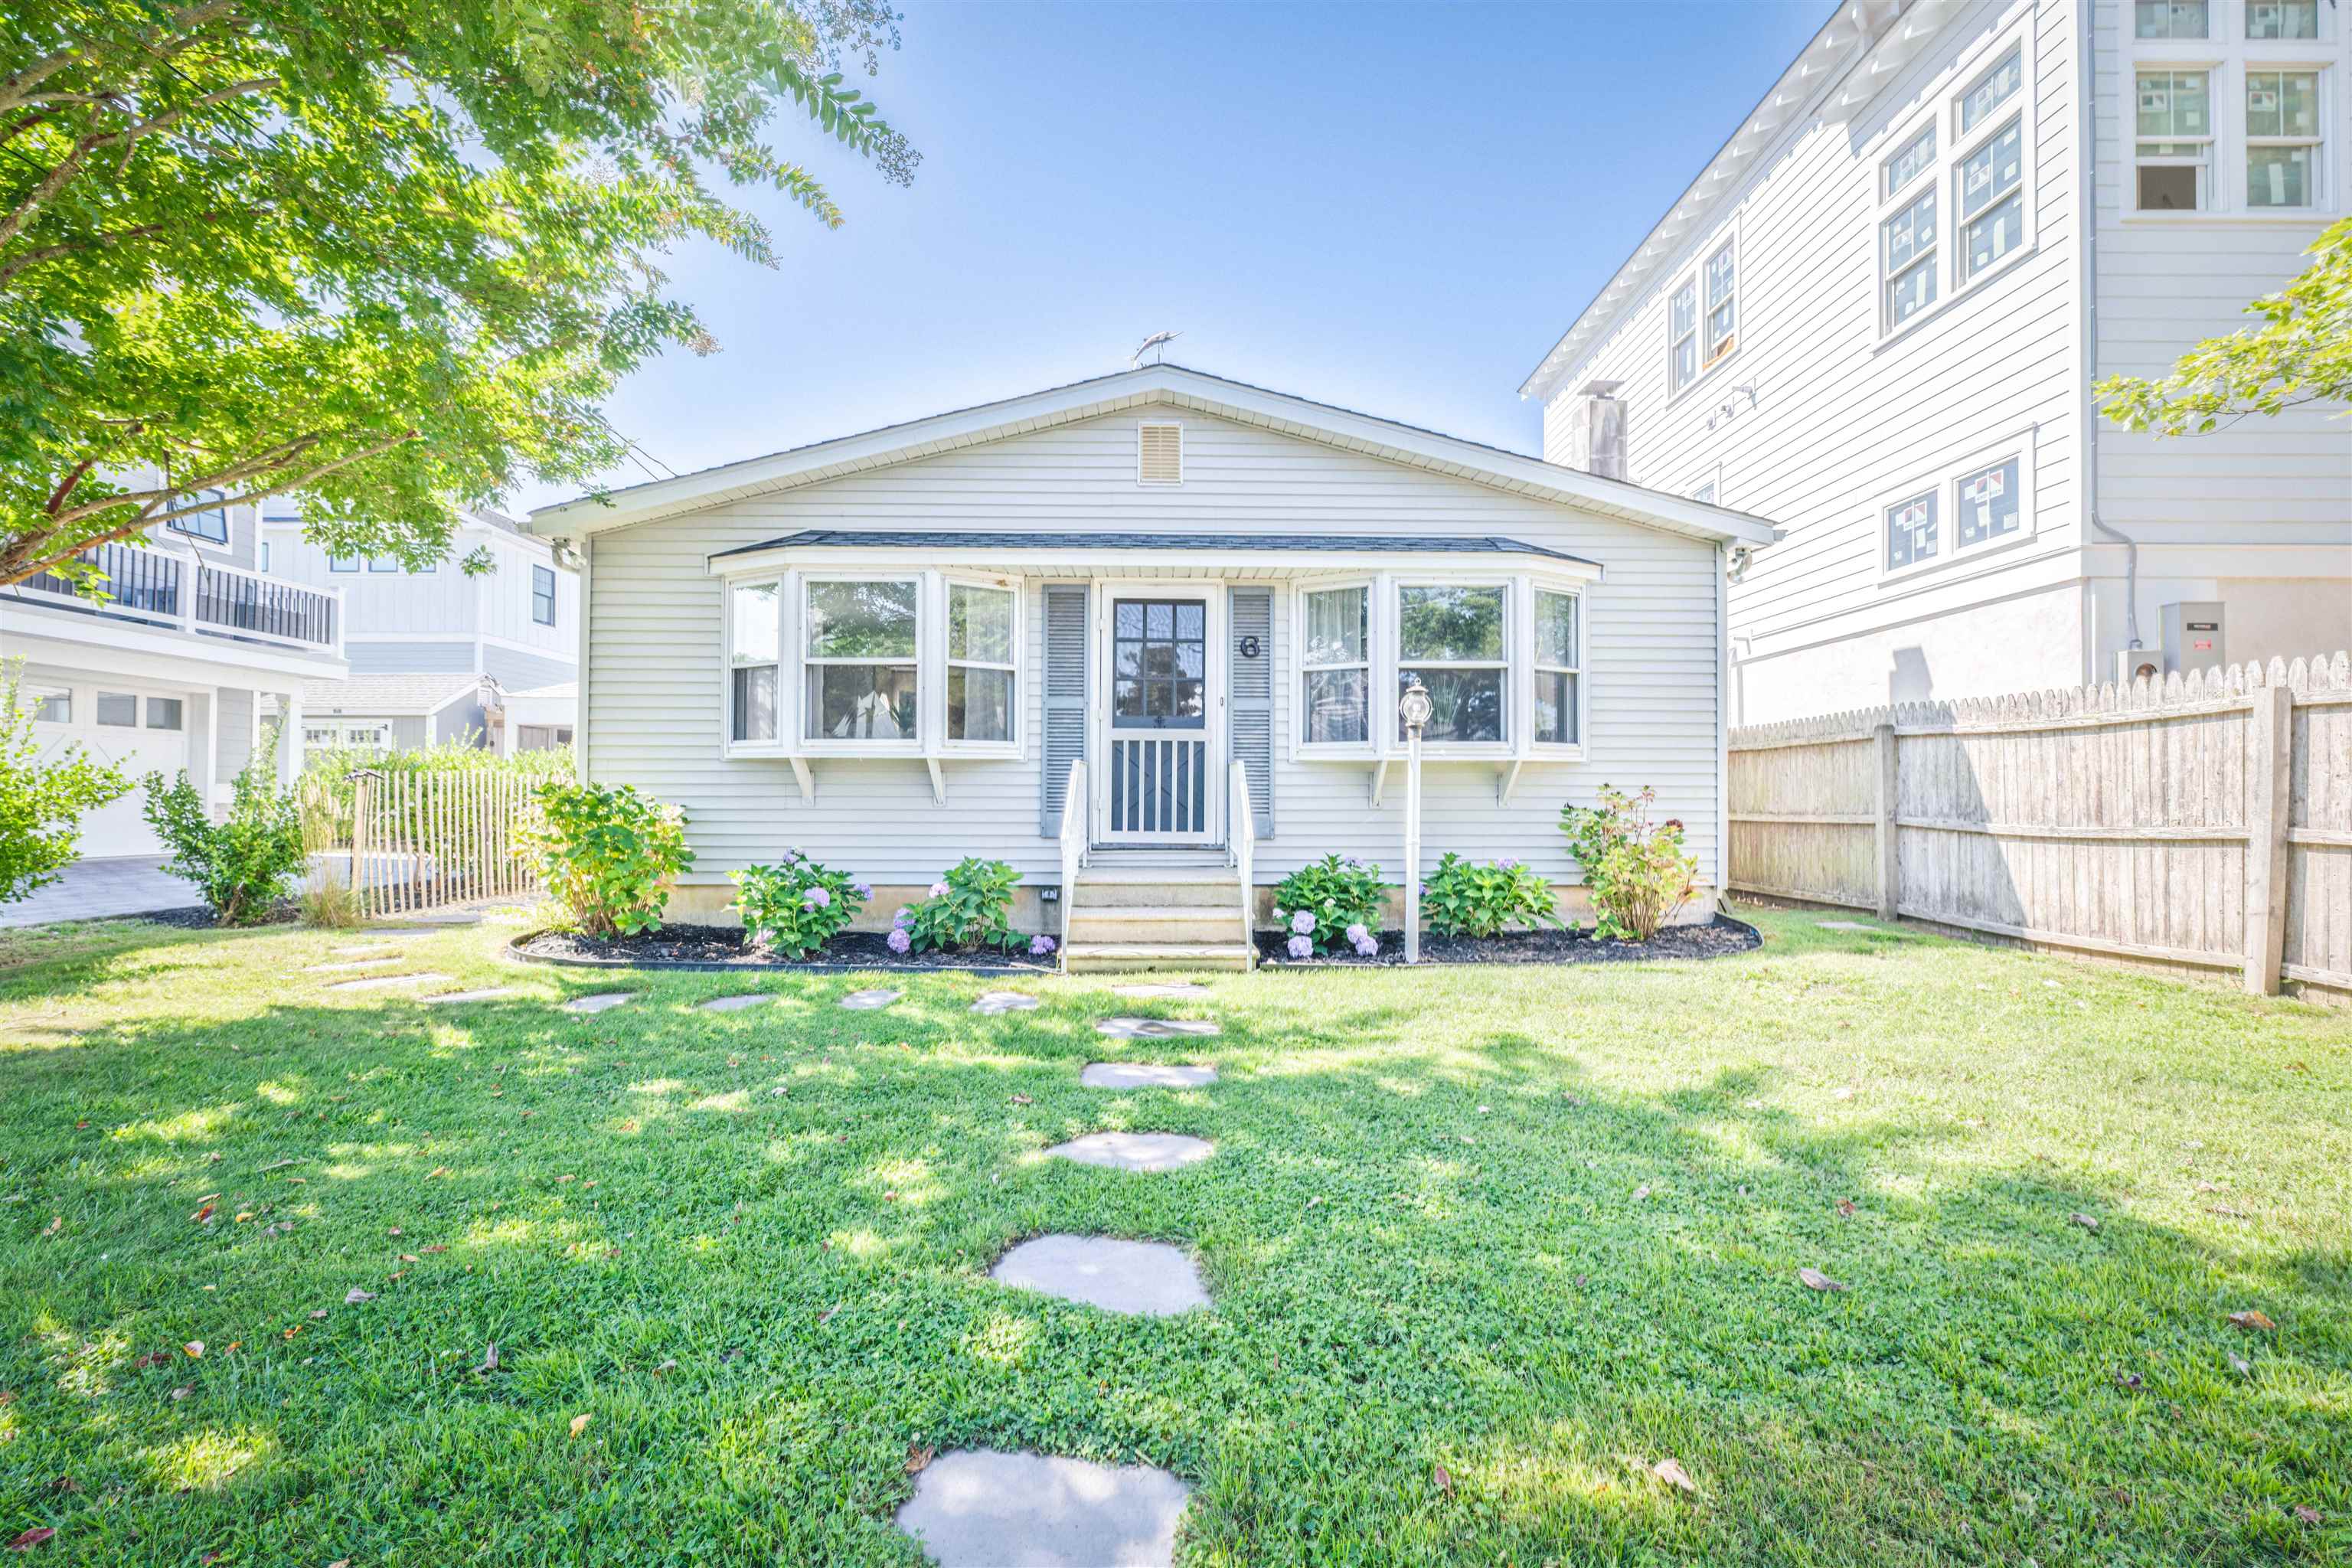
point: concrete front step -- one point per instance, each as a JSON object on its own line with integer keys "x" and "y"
{"x": 1146, "y": 923}
{"x": 1220, "y": 889}
{"x": 1103, "y": 957}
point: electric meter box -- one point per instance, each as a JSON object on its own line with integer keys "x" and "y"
{"x": 2194, "y": 636}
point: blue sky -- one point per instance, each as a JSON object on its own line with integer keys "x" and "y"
{"x": 1396, "y": 207}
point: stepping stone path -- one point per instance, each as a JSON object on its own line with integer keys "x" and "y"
{"x": 489, "y": 995}
{"x": 376, "y": 963}
{"x": 378, "y": 981}
{"x": 995, "y": 1002}
{"x": 599, "y": 1002}
{"x": 869, "y": 1001}
{"x": 1135, "y": 1151}
{"x": 1147, "y": 1278}
{"x": 733, "y": 1004}
{"x": 1154, "y": 1028}
{"x": 1163, "y": 988}
{"x": 1145, "y": 1074}
{"x": 973, "y": 1509}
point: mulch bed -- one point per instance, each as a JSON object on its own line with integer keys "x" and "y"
{"x": 200, "y": 916}
{"x": 721, "y": 947}
{"x": 1718, "y": 938}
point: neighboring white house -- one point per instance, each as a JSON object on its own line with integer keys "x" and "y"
{"x": 888, "y": 650}
{"x": 172, "y": 670}
{"x": 513, "y": 625}
{"x": 397, "y": 712}
{"x": 1876, "y": 317}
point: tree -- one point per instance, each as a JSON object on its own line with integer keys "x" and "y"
{"x": 2301, "y": 354}
{"x": 247, "y": 861}
{"x": 41, "y": 802}
{"x": 386, "y": 256}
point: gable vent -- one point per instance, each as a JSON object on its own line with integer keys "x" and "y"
{"x": 1159, "y": 455}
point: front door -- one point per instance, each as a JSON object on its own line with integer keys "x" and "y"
{"x": 1161, "y": 715}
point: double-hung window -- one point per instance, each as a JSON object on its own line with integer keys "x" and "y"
{"x": 2281, "y": 137}
{"x": 1967, "y": 161}
{"x": 1990, "y": 156}
{"x": 210, "y": 524}
{"x": 2173, "y": 149}
{"x": 1722, "y": 305}
{"x": 2230, "y": 109}
{"x": 1452, "y": 638}
{"x": 1681, "y": 336}
{"x": 1703, "y": 317}
{"x": 1906, "y": 230}
{"x": 753, "y": 655}
{"x": 1557, "y": 670}
{"x": 983, "y": 678}
{"x": 1336, "y": 664}
{"x": 860, "y": 642}
{"x": 543, "y": 596}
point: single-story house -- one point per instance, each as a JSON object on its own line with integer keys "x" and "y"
{"x": 541, "y": 719}
{"x": 889, "y": 651}
{"x": 398, "y": 712}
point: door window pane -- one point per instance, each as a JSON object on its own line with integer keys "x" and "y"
{"x": 163, "y": 712}
{"x": 861, "y": 703}
{"x": 1159, "y": 664}
{"x": 980, "y": 703}
{"x": 1989, "y": 505}
{"x": 861, "y": 620}
{"x": 1466, "y": 706}
{"x": 1450, "y": 623}
{"x": 117, "y": 708}
{"x": 1911, "y": 530}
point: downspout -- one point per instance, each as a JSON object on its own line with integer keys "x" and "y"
{"x": 2085, "y": 45}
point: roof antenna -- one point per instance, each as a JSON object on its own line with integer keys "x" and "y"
{"x": 1154, "y": 345}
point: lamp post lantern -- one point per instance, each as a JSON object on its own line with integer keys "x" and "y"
{"x": 1413, "y": 708}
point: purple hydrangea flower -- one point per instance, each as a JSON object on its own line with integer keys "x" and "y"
{"x": 1356, "y": 933}
{"x": 1040, "y": 946}
{"x": 939, "y": 889}
{"x": 817, "y": 898}
{"x": 1369, "y": 946}
{"x": 1279, "y": 914}
{"x": 898, "y": 941}
{"x": 1300, "y": 947}
{"x": 903, "y": 919}
{"x": 863, "y": 889}
{"x": 1303, "y": 922}
{"x": 1506, "y": 865}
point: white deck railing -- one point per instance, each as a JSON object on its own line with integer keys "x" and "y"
{"x": 159, "y": 588}
{"x": 1074, "y": 848}
{"x": 1241, "y": 834}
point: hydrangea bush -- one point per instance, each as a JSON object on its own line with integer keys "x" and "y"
{"x": 797, "y": 907}
{"x": 607, "y": 855}
{"x": 1462, "y": 898}
{"x": 970, "y": 907}
{"x": 1639, "y": 874}
{"x": 1331, "y": 904}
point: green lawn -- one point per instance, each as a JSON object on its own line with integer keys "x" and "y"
{"x": 1540, "y": 1228}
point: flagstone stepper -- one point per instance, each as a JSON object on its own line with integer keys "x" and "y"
{"x": 995, "y": 1002}
{"x": 974, "y": 1508}
{"x": 1163, "y": 988}
{"x": 867, "y": 1001}
{"x": 1154, "y": 1028}
{"x": 599, "y": 1002}
{"x": 733, "y": 1004}
{"x": 1135, "y": 1151}
{"x": 1145, "y": 1074}
{"x": 1149, "y": 1278}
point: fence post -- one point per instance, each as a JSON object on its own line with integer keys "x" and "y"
{"x": 362, "y": 807}
{"x": 1883, "y": 738}
{"x": 2270, "y": 749}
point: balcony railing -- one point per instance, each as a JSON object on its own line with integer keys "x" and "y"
{"x": 169, "y": 590}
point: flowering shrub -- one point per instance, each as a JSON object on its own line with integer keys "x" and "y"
{"x": 1328, "y": 904}
{"x": 1639, "y": 874}
{"x": 1462, "y": 898}
{"x": 247, "y": 862}
{"x": 972, "y": 906}
{"x": 607, "y": 855}
{"x": 797, "y": 907}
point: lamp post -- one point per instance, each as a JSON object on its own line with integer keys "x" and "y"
{"x": 1413, "y": 708}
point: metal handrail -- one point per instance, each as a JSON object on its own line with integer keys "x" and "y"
{"x": 1074, "y": 848}
{"x": 1241, "y": 834}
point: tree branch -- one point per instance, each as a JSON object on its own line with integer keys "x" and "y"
{"x": 16, "y": 91}
{"x": 127, "y": 138}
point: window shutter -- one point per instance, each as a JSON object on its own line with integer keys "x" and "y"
{"x": 1251, "y": 709}
{"x": 1066, "y": 700}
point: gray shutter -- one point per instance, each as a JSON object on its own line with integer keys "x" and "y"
{"x": 1066, "y": 700}
{"x": 1252, "y": 708}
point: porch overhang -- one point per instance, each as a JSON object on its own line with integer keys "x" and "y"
{"x": 1241, "y": 555}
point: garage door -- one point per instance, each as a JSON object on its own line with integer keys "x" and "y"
{"x": 137, "y": 730}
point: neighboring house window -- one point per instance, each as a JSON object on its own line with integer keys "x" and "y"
{"x": 542, "y": 737}
{"x": 164, "y": 713}
{"x": 982, "y": 687}
{"x": 211, "y": 525}
{"x": 1990, "y": 156}
{"x": 1451, "y": 638}
{"x": 1555, "y": 667}
{"x": 542, "y": 594}
{"x": 385, "y": 563}
{"x": 1681, "y": 336}
{"x": 262, "y": 557}
{"x": 1906, "y": 230}
{"x": 1911, "y": 530}
{"x": 2170, "y": 18}
{"x": 2175, "y": 150}
{"x": 1335, "y": 665}
{"x": 754, "y": 656}
{"x": 859, "y": 643}
{"x": 1722, "y": 306}
{"x": 1705, "y": 492}
{"x": 2268, "y": 19}
{"x": 2281, "y": 136}
{"x": 1987, "y": 504}
{"x": 1983, "y": 504}
{"x": 53, "y": 706}
{"x": 118, "y": 709}
{"x": 342, "y": 562}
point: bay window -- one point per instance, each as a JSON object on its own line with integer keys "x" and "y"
{"x": 1334, "y": 659}
{"x": 859, "y": 645}
{"x": 983, "y": 684}
{"x": 755, "y": 645}
{"x": 1450, "y": 637}
{"x": 1557, "y": 670}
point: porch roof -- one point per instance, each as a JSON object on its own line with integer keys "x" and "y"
{"x": 1325, "y": 549}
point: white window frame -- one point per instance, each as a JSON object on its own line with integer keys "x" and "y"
{"x": 343, "y": 565}
{"x": 35, "y": 697}
{"x": 1898, "y": 203}
{"x": 1950, "y": 554}
{"x": 1513, "y": 663}
{"x": 2018, "y": 110}
{"x": 2317, "y": 141}
{"x": 2131, "y": 25}
{"x": 2319, "y": 10}
{"x": 183, "y": 525}
{"x": 947, "y": 745}
{"x": 1536, "y": 744}
{"x": 1368, "y": 584}
{"x": 2227, "y": 57}
{"x": 1676, "y": 383}
{"x": 554, "y": 593}
{"x": 780, "y": 743}
{"x": 929, "y": 696}
{"x": 2208, "y": 163}
{"x": 1694, "y": 278}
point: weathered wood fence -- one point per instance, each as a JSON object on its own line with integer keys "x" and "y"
{"x": 2204, "y": 821}
{"x": 411, "y": 839}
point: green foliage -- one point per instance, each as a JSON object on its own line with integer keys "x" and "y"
{"x": 1336, "y": 894}
{"x": 384, "y": 256}
{"x": 1638, "y": 874}
{"x": 608, "y": 857}
{"x": 796, "y": 908}
{"x": 245, "y": 863}
{"x": 329, "y": 787}
{"x": 971, "y": 907}
{"x": 2301, "y": 353}
{"x": 1464, "y": 898}
{"x": 41, "y": 801}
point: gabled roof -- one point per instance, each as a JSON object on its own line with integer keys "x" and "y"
{"x": 388, "y": 696}
{"x": 1163, "y": 385}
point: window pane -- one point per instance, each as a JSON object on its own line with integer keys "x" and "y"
{"x": 2281, "y": 19}
{"x": 1911, "y": 160}
{"x": 1686, "y": 359}
{"x": 163, "y": 712}
{"x": 342, "y": 562}
{"x": 117, "y": 708}
{"x": 53, "y": 707}
{"x": 980, "y": 704}
{"x": 861, "y": 620}
{"x": 1683, "y": 315}
{"x": 1911, "y": 293}
{"x": 1995, "y": 235}
{"x": 1705, "y": 492}
{"x": 1718, "y": 276}
{"x": 1451, "y": 623}
{"x": 2173, "y": 103}
{"x": 2282, "y": 104}
{"x": 2169, "y": 187}
{"x": 1556, "y": 707}
{"x": 861, "y": 702}
{"x": 1337, "y": 707}
{"x": 755, "y": 702}
{"x": 1911, "y": 530}
{"x": 1336, "y": 622}
{"x": 384, "y": 564}
{"x": 1991, "y": 171}
{"x": 1911, "y": 233}
{"x": 1556, "y": 629}
{"x": 980, "y": 623}
{"x": 2278, "y": 176}
{"x": 2171, "y": 20}
{"x": 1992, "y": 89}
{"x": 1988, "y": 503}
{"x": 1464, "y": 705}
{"x": 755, "y": 623}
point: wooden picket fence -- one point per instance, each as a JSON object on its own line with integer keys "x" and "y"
{"x": 2202, "y": 822}
{"x": 410, "y": 840}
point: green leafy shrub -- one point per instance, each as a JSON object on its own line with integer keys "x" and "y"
{"x": 1639, "y": 874}
{"x": 1462, "y": 898}
{"x": 796, "y": 908}
{"x": 1331, "y": 904}
{"x": 245, "y": 863}
{"x": 970, "y": 907}
{"x": 608, "y": 855}
{"x": 41, "y": 802}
